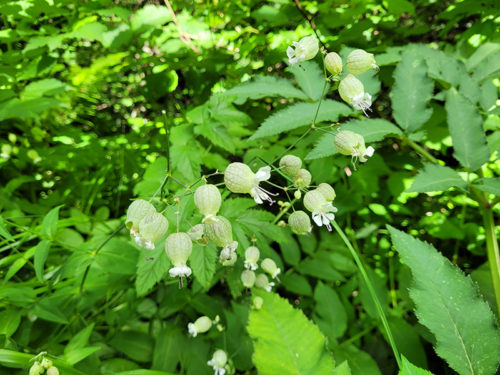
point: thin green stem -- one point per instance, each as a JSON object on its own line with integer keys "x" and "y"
{"x": 492, "y": 252}
{"x": 371, "y": 290}
{"x": 420, "y": 150}
{"x": 284, "y": 211}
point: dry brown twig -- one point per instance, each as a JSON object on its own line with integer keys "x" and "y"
{"x": 185, "y": 38}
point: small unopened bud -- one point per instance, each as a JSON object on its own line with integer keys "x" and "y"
{"x": 151, "y": 228}
{"x": 36, "y": 369}
{"x": 352, "y": 91}
{"x": 46, "y": 363}
{"x": 297, "y": 194}
{"x": 359, "y": 61}
{"x": 248, "y": 278}
{"x": 270, "y": 267}
{"x": 257, "y": 303}
{"x": 219, "y": 231}
{"x": 218, "y": 362}
{"x": 252, "y": 255}
{"x": 178, "y": 247}
{"x": 201, "y": 325}
{"x": 327, "y": 191}
{"x": 302, "y": 179}
{"x": 304, "y": 49}
{"x": 52, "y": 371}
{"x": 353, "y": 144}
{"x": 137, "y": 211}
{"x": 208, "y": 200}
{"x": 281, "y": 224}
{"x": 290, "y": 164}
{"x": 261, "y": 281}
{"x": 299, "y": 222}
{"x": 196, "y": 234}
{"x": 333, "y": 63}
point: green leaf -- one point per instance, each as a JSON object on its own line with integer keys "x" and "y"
{"x": 150, "y": 17}
{"x": 296, "y": 344}
{"x": 372, "y": 130}
{"x": 202, "y": 262}
{"x": 136, "y": 345}
{"x": 296, "y": 284}
{"x": 40, "y": 256}
{"x": 49, "y": 223}
{"x": 483, "y": 52}
{"x": 46, "y": 309}
{"x": 410, "y": 369}
{"x": 152, "y": 179}
{"x": 80, "y": 340}
{"x": 264, "y": 87}
{"x": 360, "y": 362}
{"x": 330, "y": 314}
{"x": 79, "y": 355}
{"x": 143, "y": 372}
{"x": 300, "y": 114}
{"x": 310, "y": 79}
{"x": 442, "y": 66}
{"x": 167, "y": 348}
{"x": 44, "y": 87}
{"x": 448, "y": 304}
{"x": 9, "y": 321}
{"x": 342, "y": 369}
{"x": 488, "y": 68}
{"x": 465, "y": 125}
{"x": 10, "y": 358}
{"x": 489, "y": 185}
{"x": 412, "y": 91}
{"x": 150, "y": 271}
{"x": 435, "y": 177}
{"x": 4, "y": 232}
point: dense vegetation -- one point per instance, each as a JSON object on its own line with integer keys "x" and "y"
{"x": 104, "y": 103}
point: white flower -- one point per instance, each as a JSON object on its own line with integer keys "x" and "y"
{"x": 305, "y": 49}
{"x": 218, "y": 362}
{"x": 239, "y": 178}
{"x": 363, "y": 102}
{"x": 322, "y": 210}
{"x": 259, "y": 194}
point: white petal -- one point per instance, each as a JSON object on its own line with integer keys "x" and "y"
{"x": 255, "y": 194}
{"x": 369, "y": 151}
{"x": 295, "y": 44}
{"x": 316, "y": 216}
{"x": 328, "y": 217}
{"x": 192, "y": 330}
{"x": 290, "y": 52}
{"x": 263, "y": 174}
{"x": 292, "y": 61}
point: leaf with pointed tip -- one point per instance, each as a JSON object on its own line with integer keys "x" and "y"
{"x": 435, "y": 177}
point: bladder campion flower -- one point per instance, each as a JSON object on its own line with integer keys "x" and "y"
{"x": 218, "y": 362}
{"x": 252, "y": 255}
{"x": 290, "y": 165}
{"x": 178, "y": 247}
{"x": 239, "y": 178}
{"x": 151, "y": 228}
{"x": 359, "y": 61}
{"x": 302, "y": 179}
{"x": 201, "y": 325}
{"x": 327, "y": 191}
{"x": 304, "y": 49}
{"x": 322, "y": 210}
{"x": 208, "y": 200}
{"x": 333, "y": 63}
{"x": 270, "y": 267}
{"x": 261, "y": 281}
{"x": 353, "y": 144}
{"x": 248, "y": 278}
{"x": 353, "y": 92}
{"x": 299, "y": 222}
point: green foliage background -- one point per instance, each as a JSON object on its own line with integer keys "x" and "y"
{"x": 96, "y": 96}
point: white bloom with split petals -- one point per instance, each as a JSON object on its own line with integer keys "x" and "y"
{"x": 322, "y": 210}
{"x": 304, "y": 49}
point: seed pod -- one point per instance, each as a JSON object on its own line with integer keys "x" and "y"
{"x": 359, "y": 61}
{"x": 36, "y": 369}
{"x": 218, "y": 361}
{"x": 333, "y": 63}
{"x": 137, "y": 211}
{"x": 252, "y": 255}
{"x": 208, "y": 200}
{"x": 299, "y": 222}
{"x": 305, "y": 49}
{"x": 239, "y": 178}
{"x": 261, "y": 281}
{"x": 178, "y": 247}
{"x": 290, "y": 165}
{"x": 314, "y": 200}
{"x": 196, "y": 234}
{"x": 219, "y": 232}
{"x": 270, "y": 267}
{"x": 151, "y": 228}
{"x": 201, "y": 325}
{"x": 327, "y": 191}
{"x": 302, "y": 179}
{"x": 248, "y": 278}
{"x": 52, "y": 371}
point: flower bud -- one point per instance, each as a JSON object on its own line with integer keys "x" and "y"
{"x": 151, "y": 228}
{"x": 257, "y": 303}
{"x": 270, "y": 267}
{"x": 201, "y": 325}
{"x": 36, "y": 369}
{"x": 353, "y": 144}
{"x": 299, "y": 222}
{"x": 228, "y": 255}
{"x": 297, "y": 194}
{"x": 327, "y": 191}
{"x": 218, "y": 362}
{"x": 302, "y": 179}
{"x": 137, "y": 211}
{"x": 305, "y": 49}
{"x": 314, "y": 200}
{"x": 290, "y": 164}
{"x": 252, "y": 255}
{"x": 261, "y": 281}
{"x": 52, "y": 371}
{"x": 359, "y": 61}
{"x": 239, "y": 178}
{"x": 178, "y": 247}
{"x": 219, "y": 231}
{"x": 208, "y": 200}
{"x": 352, "y": 91}
{"x": 46, "y": 363}
{"x": 248, "y": 278}
{"x": 196, "y": 234}
{"x": 333, "y": 63}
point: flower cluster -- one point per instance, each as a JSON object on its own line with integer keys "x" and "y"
{"x": 45, "y": 366}
{"x": 145, "y": 224}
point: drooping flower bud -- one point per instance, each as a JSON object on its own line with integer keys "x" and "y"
{"x": 359, "y": 61}
{"x": 208, "y": 200}
{"x": 297, "y": 194}
{"x": 46, "y": 363}
{"x": 36, "y": 369}
{"x": 218, "y": 362}
{"x": 219, "y": 231}
{"x": 257, "y": 303}
{"x": 305, "y": 49}
{"x": 137, "y": 211}
{"x": 270, "y": 267}
{"x": 228, "y": 255}
{"x": 151, "y": 228}
{"x": 299, "y": 222}
{"x": 261, "y": 281}
{"x": 290, "y": 164}
{"x": 327, "y": 191}
{"x": 178, "y": 247}
{"x": 201, "y": 325}
{"x": 353, "y": 92}
{"x": 239, "y": 178}
{"x": 248, "y": 278}
{"x": 353, "y": 144}
{"x": 252, "y": 255}
{"x": 322, "y": 210}
{"x": 302, "y": 179}
{"x": 333, "y": 63}
{"x": 52, "y": 371}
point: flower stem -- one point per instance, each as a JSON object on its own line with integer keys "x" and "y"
{"x": 284, "y": 211}
{"x": 420, "y": 150}
{"x": 371, "y": 290}
{"x": 493, "y": 253}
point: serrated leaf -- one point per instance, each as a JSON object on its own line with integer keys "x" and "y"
{"x": 489, "y": 185}
{"x": 489, "y": 67}
{"x": 217, "y": 134}
{"x": 412, "y": 91}
{"x": 40, "y": 256}
{"x": 330, "y": 314}
{"x": 442, "y": 66}
{"x": 264, "y": 87}
{"x": 360, "y": 362}
{"x": 466, "y": 130}
{"x": 372, "y": 130}
{"x": 310, "y": 79}
{"x": 149, "y": 17}
{"x": 296, "y": 344}
{"x": 448, "y": 304}
{"x": 150, "y": 271}
{"x": 202, "y": 262}
{"x": 483, "y": 52}
{"x": 409, "y": 369}
{"x": 435, "y": 177}
{"x": 300, "y": 114}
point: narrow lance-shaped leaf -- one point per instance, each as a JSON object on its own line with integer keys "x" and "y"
{"x": 448, "y": 304}
{"x": 465, "y": 125}
{"x": 49, "y": 223}
{"x": 435, "y": 177}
